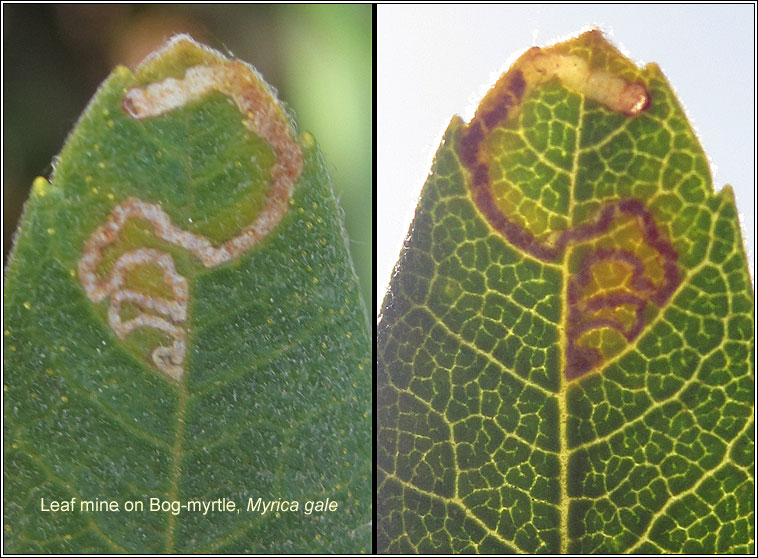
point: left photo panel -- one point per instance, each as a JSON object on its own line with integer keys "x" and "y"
{"x": 187, "y": 265}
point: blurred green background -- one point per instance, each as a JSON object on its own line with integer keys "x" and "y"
{"x": 319, "y": 58}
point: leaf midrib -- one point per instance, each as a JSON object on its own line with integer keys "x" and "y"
{"x": 177, "y": 450}
{"x": 565, "y": 451}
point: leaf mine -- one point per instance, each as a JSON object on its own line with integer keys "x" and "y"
{"x": 263, "y": 116}
{"x": 502, "y": 105}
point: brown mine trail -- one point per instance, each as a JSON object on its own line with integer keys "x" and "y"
{"x": 535, "y": 67}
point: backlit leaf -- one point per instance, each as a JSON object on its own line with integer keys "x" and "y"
{"x": 565, "y": 351}
{"x": 183, "y": 323}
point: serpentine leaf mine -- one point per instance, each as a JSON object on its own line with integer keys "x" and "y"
{"x": 263, "y": 116}
{"x": 639, "y": 265}
{"x": 565, "y": 352}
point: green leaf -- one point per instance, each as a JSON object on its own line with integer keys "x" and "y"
{"x": 183, "y": 323}
{"x": 565, "y": 353}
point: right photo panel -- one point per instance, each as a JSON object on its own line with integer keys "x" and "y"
{"x": 565, "y": 271}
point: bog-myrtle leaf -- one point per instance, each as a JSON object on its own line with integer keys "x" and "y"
{"x": 183, "y": 326}
{"x": 565, "y": 350}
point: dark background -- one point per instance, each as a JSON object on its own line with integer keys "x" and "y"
{"x": 319, "y": 58}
